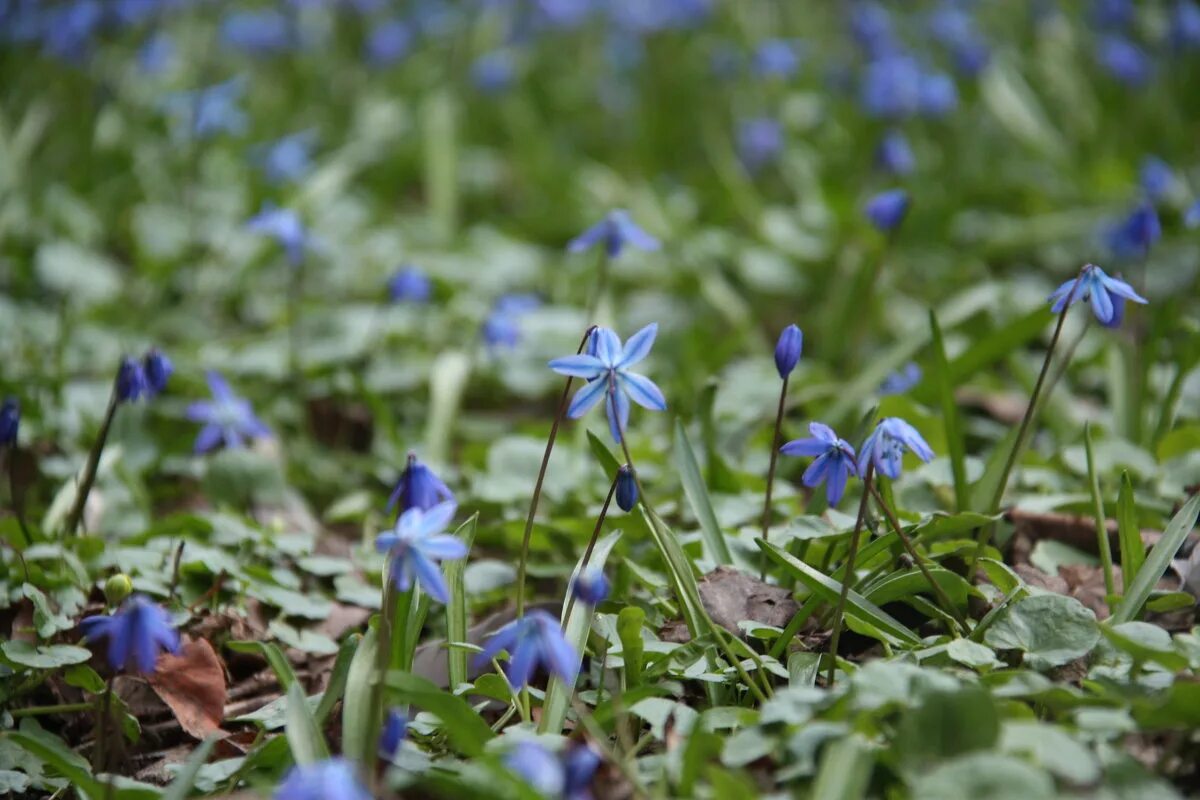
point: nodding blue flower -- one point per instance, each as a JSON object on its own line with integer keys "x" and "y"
{"x": 388, "y": 43}
{"x": 227, "y": 418}
{"x": 395, "y": 728}
{"x": 158, "y": 370}
{"x": 886, "y": 210}
{"x": 493, "y": 73}
{"x": 1133, "y": 236}
{"x": 156, "y": 53}
{"x": 533, "y": 639}
{"x": 538, "y": 767}
{"x": 284, "y": 226}
{"x": 418, "y": 487}
{"x": 893, "y": 155}
{"x": 1097, "y": 287}
{"x": 1124, "y": 61}
{"x": 580, "y": 763}
{"x": 759, "y": 142}
{"x": 834, "y": 463}
{"x": 287, "y": 159}
{"x": 891, "y": 87}
{"x": 902, "y": 380}
{"x": 591, "y": 586}
{"x": 203, "y": 113}
{"x": 616, "y": 230}
{"x": 1185, "y": 25}
{"x": 131, "y": 381}
{"x": 871, "y": 28}
{"x": 331, "y": 779}
{"x": 607, "y": 371}
{"x": 886, "y": 445}
{"x": 416, "y": 543}
{"x": 776, "y": 58}
{"x": 788, "y": 349}
{"x": 1111, "y": 13}
{"x": 1191, "y": 218}
{"x": 938, "y": 95}
{"x": 261, "y": 32}
{"x": 409, "y": 284}
{"x": 10, "y": 422}
{"x": 137, "y": 633}
{"x": 502, "y": 327}
{"x": 627, "y": 490}
{"x": 1156, "y": 177}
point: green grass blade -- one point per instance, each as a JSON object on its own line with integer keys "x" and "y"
{"x": 456, "y": 609}
{"x": 955, "y": 443}
{"x": 984, "y": 489}
{"x": 465, "y": 729}
{"x": 697, "y": 495}
{"x": 679, "y": 570}
{"x": 1129, "y": 534}
{"x": 356, "y": 708}
{"x": 337, "y": 679}
{"x": 629, "y": 629}
{"x": 181, "y": 787}
{"x": 303, "y": 736}
{"x": 1157, "y": 562}
{"x": 274, "y": 656}
{"x": 845, "y": 770}
{"x": 1102, "y": 546}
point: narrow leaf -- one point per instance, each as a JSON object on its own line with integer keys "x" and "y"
{"x": 274, "y": 656}
{"x": 456, "y": 609}
{"x": 953, "y": 425}
{"x": 337, "y": 679}
{"x": 465, "y": 729}
{"x": 181, "y": 787}
{"x": 356, "y": 709}
{"x": 697, "y": 495}
{"x": 1157, "y": 562}
{"x": 1129, "y": 534}
{"x": 603, "y": 455}
{"x": 1102, "y": 546}
{"x": 680, "y": 571}
{"x": 303, "y": 736}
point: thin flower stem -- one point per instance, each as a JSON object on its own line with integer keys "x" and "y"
{"x": 537, "y": 487}
{"x": 61, "y": 708}
{"x": 600, "y": 289}
{"x": 587, "y": 554}
{"x": 93, "y": 463}
{"x": 848, "y": 577}
{"x": 921, "y": 562}
{"x": 766, "y": 517}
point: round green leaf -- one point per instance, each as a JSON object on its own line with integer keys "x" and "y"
{"x": 1050, "y": 629}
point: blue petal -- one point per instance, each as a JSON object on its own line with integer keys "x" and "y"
{"x": 1102, "y": 305}
{"x": 503, "y": 639}
{"x": 436, "y": 519}
{"x": 608, "y": 346}
{"x": 804, "y": 447}
{"x": 628, "y": 230}
{"x": 586, "y": 397}
{"x": 1060, "y": 296}
{"x": 616, "y": 407}
{"x": 588, "y": 238}
{"x": 558, "y": 654}
{"x": 430, "y": 576}
{"x": 578, "y": 366}
{"x": 1121, "y": 289}
{"x": 835, "y": 483}
{"x": 217, "y": 385}
{"x": 823, "y": 432}
{"x": 208, "y": 438}
{"x": 638, "y": 346}
{"x": 817, "y": 471}
{"x": 444, "y": 547}
{"x": 524, "y": 660}
{"x": 642, "y": 390}
{"x": 867, "y": 453}
{"x": 385, "y": 542}
{"x": 402, "y": 572}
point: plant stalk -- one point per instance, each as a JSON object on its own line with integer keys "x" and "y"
{"x": 587, "y": 554}
{"x": 848, "y": 578}
{"x": 93, "y": 464}
{"x": 766, "y": 516}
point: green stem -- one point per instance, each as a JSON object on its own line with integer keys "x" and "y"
{"x": 93, "y": 463}
{"x": 1102, "y": 545}
{"x": 848, "y": 578}
{"x": 766, "y": 515}
{"x": 587, "y": 554}
{"x": 599, "y": 290}
{"x": 61, "y": 708}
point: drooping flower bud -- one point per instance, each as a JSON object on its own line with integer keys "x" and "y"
{"x": 131, "y": 381}
{"x": 787, "y": 350}
{"x": 158, "y": 369}
{"x": 591, "y": 587}
{"x": 627, "y": 491}
{"x": 10, "y": 421}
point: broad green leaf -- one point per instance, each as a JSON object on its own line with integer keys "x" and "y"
{"x": 465, "y": 729}
{"x": 945, "y": 722}
{"x": 1050, "y": 629}
{"x": 303, "y": 736}
{"x": 1129, "y": 534}
{"x": 456, "y": 609}
{"x": 52, "y": 656}
{"x": 357, "y": 706}
{"x": 697, "y": 495}
{"x": 984, "y": 776}
{"x": 1052, "y": 748}
{"x": 1157, "y": 562}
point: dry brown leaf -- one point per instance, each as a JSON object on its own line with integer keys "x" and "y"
{"x": 731, "y": 597}
{"x": 192, "y": 684}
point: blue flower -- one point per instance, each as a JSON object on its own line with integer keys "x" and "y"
{"x": 395, "y": 728}
{"x": 156, "y": 53}
{"x": 1097, "y": 287}
{"x": 834, "y": 462}
{"x": 416, "y": 544}
{"x": 287, "y": 159}
{"x": 886, "y": 210}
{"x": 1133, "y": 236}
{"x": 893, "y": 155}
{"x": 131, "y": 381}
{"x": 1112, "y": 13}
{"x": 70, "y": 28}
{"x": 533, "y": 639}
{"x": 580, "y": 763}
{"x": 409, "y": 284}
{"x": 1191, "y": 218}
{"x": 1185, "y": 25}
{"x": 493, "y": 73}
{"x": 331, "y": 779}
{"x": 284, "y": 226}
{"x": 788, "y": 349}
{"x": 871, "y": 28}
{"x": 502, "y": 327}
{"x": 938, "y": 95}
{"x": 902, "y": 380}
{"x": 10, "y": 421}
{"x": 136, "y": 634}
{"x": 1124, "y": 60}
{"x": 616, "y": 230}
{"x": 538, "y": 767}
{"x": 886, "y": 445}
{"x": 1156, "y": 177}
{"x": 157, "y": 369}
{"x": 954, "y": 27}
{"x": 607, "y": 371}
{"x": 209, "y": 111}
{"x": 389, "y": 42}
{"x": 261, "y": 32}
{"x": 418, "y": 487}
{"x": 891, "y": 87}
{"x": 776, "y": 58}
{"x": 759, "y": 142}
{"x": 591, "y": 586}
{"x": 627, "y": 490}
{"x": 650, "y": 17}
{"x": 228, "y": 419}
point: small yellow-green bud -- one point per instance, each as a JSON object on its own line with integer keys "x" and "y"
{"x": 117, "y": 588}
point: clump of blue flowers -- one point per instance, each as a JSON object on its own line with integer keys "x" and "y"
{"x": 886, "y": 445}
{"x": 534, "y": 639}
{"x": 137, "y": 633}
{"x": 416, "y": 543}
{"x": 834, "y": 462}
{"x": 227, "y": 418}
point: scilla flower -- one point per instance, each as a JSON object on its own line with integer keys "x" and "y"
{"x": 1156, "y": 177}
{"x": 615, "y": 231}
{"x": 10, "y": 421}
{"x": 538, "y": 767}
{"x": 627, "y": 491}
{"x": 580, "y": 763}
{"x": 534, "y": 639}
{"x": 131, "y": 381}
{"x": 1191, "y": 218}
{"x": 136, "y": 634}
{"x": 285, "y": 227}
{"x": 395, "y": 728}
{"x": 410, "y": 284}
{"x": 287, "y": 159}
{"x": 591, "y": 586}
{"x": 902, "y": 380}
{"x": 787, "y": 350}
{"x": 158, "y": 370}
{"x": 886, "y": 210}
{"x": 893, "y": 154}
{"x": 418, "y": 487}
{"x": 1097, "y": 287}
{"x": 886, "y": 445}
{"x": 834, "y": 462}
{"x": 331, "y": 779}
{"x": 609, "y": 377}
{"x": 416, "y": 544}
{"x": 228, "y": 419}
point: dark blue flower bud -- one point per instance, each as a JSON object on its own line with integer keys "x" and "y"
{"x": 627, "y": 491}
{"x": 157, "y": 369}
{"x": 409, "y": 284}
{"x": 394, "y": 730}
{"x": 10, "y": 421}
{"x": 886, "y": 210}
{"x": 591, "y": 587}
{"x": 418, "y": 487}
{"x": 787, "y": 350}
{"x": 131, "y": 381}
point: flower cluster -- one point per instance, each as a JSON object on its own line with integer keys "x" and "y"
{"x": 143, "y": 379}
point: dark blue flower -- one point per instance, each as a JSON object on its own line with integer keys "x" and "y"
{"x": 1133, "y": 236}
{"x": 390, "y": 41}
{"x": 331, "y": 779}
{"x": 1191, "y": 218}
{"x": 418, "y": 487}
{"x": 227, "y": 418}
{"x": 608, "y": 376}
{"x": 591, "y": 586}
{"x": 759, "y": 142}
{"x": 1156, "y": 177}
{"x": 414, "y": 546}
{"x": 409, "y": 284}
{"x": 260, "y": 32}
{"x": 395, "y": 728}
{"x": 833, "y": 464}
{"x": 1095, "y": 286}
{"x": 1185, "y": 25}
{"x": 893, "y": 155}
{"x": 953, "y": 26}
{"x": 285, "y": 227}
{"x": 871, "y": 28}
{"x": 70, "y": 28}
{"x": 891, "y": 87}
{"x": 776, "y": 58}
{"x": 209, "y": 111}
{"x": 580, "y": 763}
{"x": 788, "y": 349}
{"x": 627, "y": 490}
{"x": 886, "y": 210}
{"x": 10, "y": 421}
{"x": 534, "y": 639}
{"x": 538, "y": 767}
{"x": 493, "y": 73}
{"x": 901, "y": 381}
{"x": 157, "y": 369}
{"x": 287, "y": 159}
{"x": 616, "y": 230}
{"x": 131, "y": 381}
{"x": 136, "y": 634}
{"x": 886, "y": 445}
{"x": 1124, "y": 60}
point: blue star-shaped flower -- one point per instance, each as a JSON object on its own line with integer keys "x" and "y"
{"x": 331, "y": 779}
{"x": 288, "y": 158}
{"x": 534, "y": 639}
{"x": 228, "y": 419}
{"x": 409, "y": 284}
{"x": 901, "y": 380}
{"x": 416, "y": 544}
{"x": 886, "y": 445}
{"x": 834, "y": 462}
{"x": 607, "y": 370}
{"x": 209, "y": 111}
{"x": 136, "y": 634}
{"x": 616, "y": 230}
{"x": 131, "y": 381}
{"x": 1104, "y": 292}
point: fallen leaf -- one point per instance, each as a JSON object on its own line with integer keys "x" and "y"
{"x": 731, "y": 597}
{"x": 192, "y": 684}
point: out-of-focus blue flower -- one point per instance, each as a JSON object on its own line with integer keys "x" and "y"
{"x": 776, "y": 58}
{"x": 156, "y": 53}
{"x": 227, "y": 418}
{"x": 1191, "y": 217}
{"x": 580, "y": 763}
{"x": 954, "y": 27}
{"x": 284, "y": 226}
{"x": 893, "y": 155}
{"x": 10, "y": 422}
{"x": 260, "y": 32}
{"x": 563, "y": 14}
{"x": 887, "y": 209}
{"x": 616, "y": 230}
{"x": 493, "y": 73}
{"x": 886, "y": 445}
{"x": 502, "y": 328}
{"x": 1124, "y": 60}
{"x": 938, "y": 95}
{"x": 902, "y": 380}
{"x": 410, "y": 284}
{"x": 1112, "y": 13}
{"x": 759, "y": 142}
{"x": 627, "y": 490}
{"x": 591, "y": 586}
{"x": 607, "y": 371}
{"x": 288, "y": 158}
{"x": 418, "y": 487}
{"x": 131, "y": 381}
{"x": 538, "y": 767}
{"x": 207, "y": 112}
{"x": 651, "y": 16}
{"x": 416, "y": 543}
{"x": 833, "y": 464}
{"x": 1095, "y": 286}
{"x": 331, "y": 779}
{"x": 389, "y": 42}
{"x": 70, "y": 27}
{"x": 157, "y": 369}
{"x": 136, "y": 634}
{"x": 395, "y": 728}
{"x": 871, "y": 28}
{"x": 534, "y": 639}
{"x": 788, "y": 349}
{"x": 1185, "y": 25}
{"x": 891, "y": 87}
{"x": 1156, "y": 177}
{"x": 1133, "y": 236}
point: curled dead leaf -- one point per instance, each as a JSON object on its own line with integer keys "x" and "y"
{"x": 192, "y": 684}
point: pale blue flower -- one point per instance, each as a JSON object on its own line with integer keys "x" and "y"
{"x": 533, "y": 639}
{"x": 416, "y": 543}
{"x": 833, "y": 464}
{"x": 616, "y": 230}
{"x": 228, "y": 419}
{"x": 1095, "y": 286}
{"x": 137, "y": 633}
{"x": 886, "y": 445}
